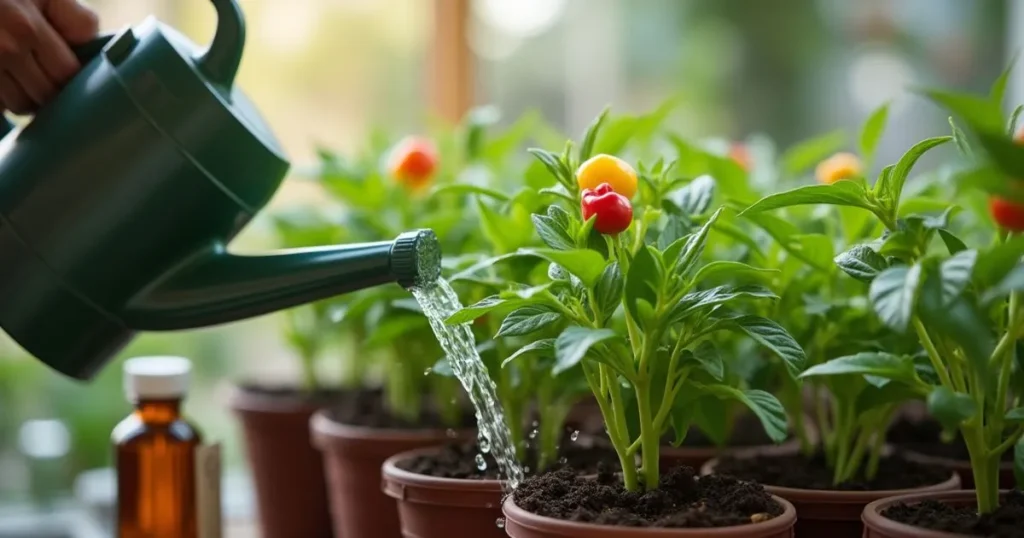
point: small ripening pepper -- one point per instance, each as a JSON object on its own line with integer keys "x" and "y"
{"x": 740, "y": 155}
{"x": 603, "y": 168}
{"x": 1009, "y": 215}
{"x": 838, "y": 167}
{"x": 413, "y": 161}
{"x": 613, "y": 210}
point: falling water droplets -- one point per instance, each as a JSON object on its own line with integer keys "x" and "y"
{"x": 563, "y": 460}
{"x": 480, "y": 463}
{"x": 426, "y": 372}
{"x": 484, "y": 444}
{"x": 533, "y": 433}
{"x": 574, "y": 435}
{"x": 500, "y": 522}
{"x": 452, "y": 434}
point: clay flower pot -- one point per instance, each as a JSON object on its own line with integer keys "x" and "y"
{"x": 433, "y": 507}
{"x": 288, "y": 473}
{"x": 878, "y": 526}
{"x": 522, "y": 524}
{"x": 835, "y": 514}
{"x": 962, "y": 468}
{"x": 696, "y": 456}
{"x": 353, "y": 457}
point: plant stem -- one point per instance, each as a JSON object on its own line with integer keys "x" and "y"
{"x": 933, "y": 354}
{"x": 309, "y": 378}
{"x": 650, "y": 441}
{"x": 620, "y": 441}
{"x": 986, "y": 475}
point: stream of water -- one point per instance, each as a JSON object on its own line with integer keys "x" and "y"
{"x": 439, "y": 302}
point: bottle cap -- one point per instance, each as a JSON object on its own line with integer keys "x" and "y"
{"x": 156, "y": 377}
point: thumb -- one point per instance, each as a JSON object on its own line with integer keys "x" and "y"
{"x": 73, "y": 20}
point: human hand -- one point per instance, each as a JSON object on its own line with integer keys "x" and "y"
{"x": 35, "y": 49}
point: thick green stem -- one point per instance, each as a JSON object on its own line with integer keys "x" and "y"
{"x": 650, "y": 438}
{"x": 876, "y": 455}
{"x": 984, "y": 468}
{"x": 620, "y": 441}
{"x": 853, "y": 463}
{"x": 933, "y": 354}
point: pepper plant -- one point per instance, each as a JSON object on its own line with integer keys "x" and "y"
{"x": 958, "y": 305}
{"x": 637, "y": 318}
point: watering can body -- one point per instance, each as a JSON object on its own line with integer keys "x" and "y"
{"x": 118, "y": 199}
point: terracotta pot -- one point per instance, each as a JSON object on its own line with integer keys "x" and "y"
{"x": 878, "y": 526}
{"x": 697, "y": 456}
{"x": 432, "y": 507}
{"x": 962, "y": 468}
{"x": 353, "y": 457}
{"x": 522, "y": 524}
{"x": 835, "y": 514}
{"x": 291, "y": 494}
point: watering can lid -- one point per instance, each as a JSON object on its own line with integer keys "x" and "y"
{"x": 189, "y": 94}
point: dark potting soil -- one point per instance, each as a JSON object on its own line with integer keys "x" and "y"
{"x": 925, "y": 437}
{"x": 681, "y": 500}
{"x": 367, "y": 408}
{"x": 460, "y": 461}
{"x": 797, "y": 471}
{"x": 1006, "y": 522}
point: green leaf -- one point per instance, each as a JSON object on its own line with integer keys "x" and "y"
{"x": 861, "y": 262}
{"x": 885, "y": 365}
{"x": 955, "y": 273}
{"x": 976, "y": 111}
{"x": 894, "y": 187}
{"x": 1015, "y": 415}
{"x": 585, "y": 264}
{"x": 574, "y": 342}
{"x": 553, "y": 233}
{"x": 872, "y": 131}
{"x": 546, "y": 345}
{"x": 527, "y": 319}
{"x": 553, "y": 163}
{"x": 693, "y": 247}
{"x": 707, "y": 356}
{"x": 960, "y": 139}
{"x": 1011, "y": 126}
{"x": 998, "y": 90}
{"x": 872, "y": 397}
{"x": 952, "y": 242}
{"x": 809, "y": 153}
{"x": 711, "y": 416}
{"x": 695, "y": 198}
{"x": 994, "y": 264}
{"x": 697, "y": 301}
{"x": 1018, "y": 463}
{"x": 773, "y": 337}
{"x": 842, "y": 193}
{"x": 475, "y": 310}
{"x": 463, "y": 188}
{"x": 587, "y": 148}
{"x": 766, "y": 407}
{"x": 893, "y": 294}
{"x": 642, "y": 282}
{"x": 950, "y": 408}
{"x": 1013, "y": 281}
{"x": 681, "y": 417}
{"x": 730, "y": 269}
{"x": 608, "y": 291}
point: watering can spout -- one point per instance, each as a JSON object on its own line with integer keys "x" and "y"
{"x": 216, "y": 287}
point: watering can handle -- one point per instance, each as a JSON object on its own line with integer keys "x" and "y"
{"x": 85, "y": 53}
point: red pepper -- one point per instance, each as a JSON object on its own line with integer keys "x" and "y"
{"x": 613, "y": 210}
{"x": 1007, "y": 214}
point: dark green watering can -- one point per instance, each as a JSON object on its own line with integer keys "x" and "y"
{"x": 118, "y": 200}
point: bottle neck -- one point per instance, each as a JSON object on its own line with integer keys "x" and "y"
{"x": 163, "y": 411}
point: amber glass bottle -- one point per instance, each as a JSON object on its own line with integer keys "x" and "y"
{"x": 155, "y": 453}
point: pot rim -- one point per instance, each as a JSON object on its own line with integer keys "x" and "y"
{"x": 390, "y": 471}
{"x": 323, "y": 428}
{"x": 407, "y": 486}
{"x": 538, "y": 523}
{"x": 243, "y": 399}
{"x": 872, "y": 514}
{"x": 929, "y": 459}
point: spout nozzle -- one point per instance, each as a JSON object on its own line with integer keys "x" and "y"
{"x": 220, "y": 62}
{"x": 416, "y": 258}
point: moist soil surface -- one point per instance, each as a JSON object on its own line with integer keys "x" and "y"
{"x": 365, "y": 407}
{"x": 925, "y": 437}
{"x": 797, "y": 471}
{"x": 1006, "y": 522}
{"x": 585, "y": 456}
{"x": 681, "y": 500}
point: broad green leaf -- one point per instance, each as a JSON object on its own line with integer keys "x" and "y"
{"x": 695, "y": 198}
{"x": 843, "y": 193}
{"x": 608, "y": 291}
{"x": 712, "y": 418}
{"x": 554, "y": 165}
{"x": 950, "y": 408}
{"x": 692, "y": 249}
{"x": 730, "y": 269}
{"x": 872, "y": 131}
{"x": 894, "y": 187}
{"x": 952, "y": 242}
{"x": 998, "y": 90}
{"x": 587, "y": 148}
{"x": 960, "y": 139}
{"x": 1015, "y": 415}
{"x": 585, "y": 264}
{"x": 1013, "y": 281}
{"x": 642, "y": 282}
{"x": 463, "y": 188}
{"x": 773, "y": 337}
{"x": 682, "y": 415}
{"x": 574, "y": 342}
{"x": 697, "y": 301}
{"x": 893, "y": 294}
{"x": 955, "y": 273}
{"x": 707, "y": 355}
{"x": 546, "y": 345}
{"x": 891, "y": 393}
{"x": 527, "y": 319}
{"x": 525, "y": 293}
{"x": 995, "y": 263}
{"x": 766, "y": 407}
{"x": 806, "y": 155}
{"x": 861, "y": 262}
{"x": 552, "y": 233}
{"x": 476, "y": 310}
{"x": 976, "y": 111}
{"x": 885, "y": 365}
